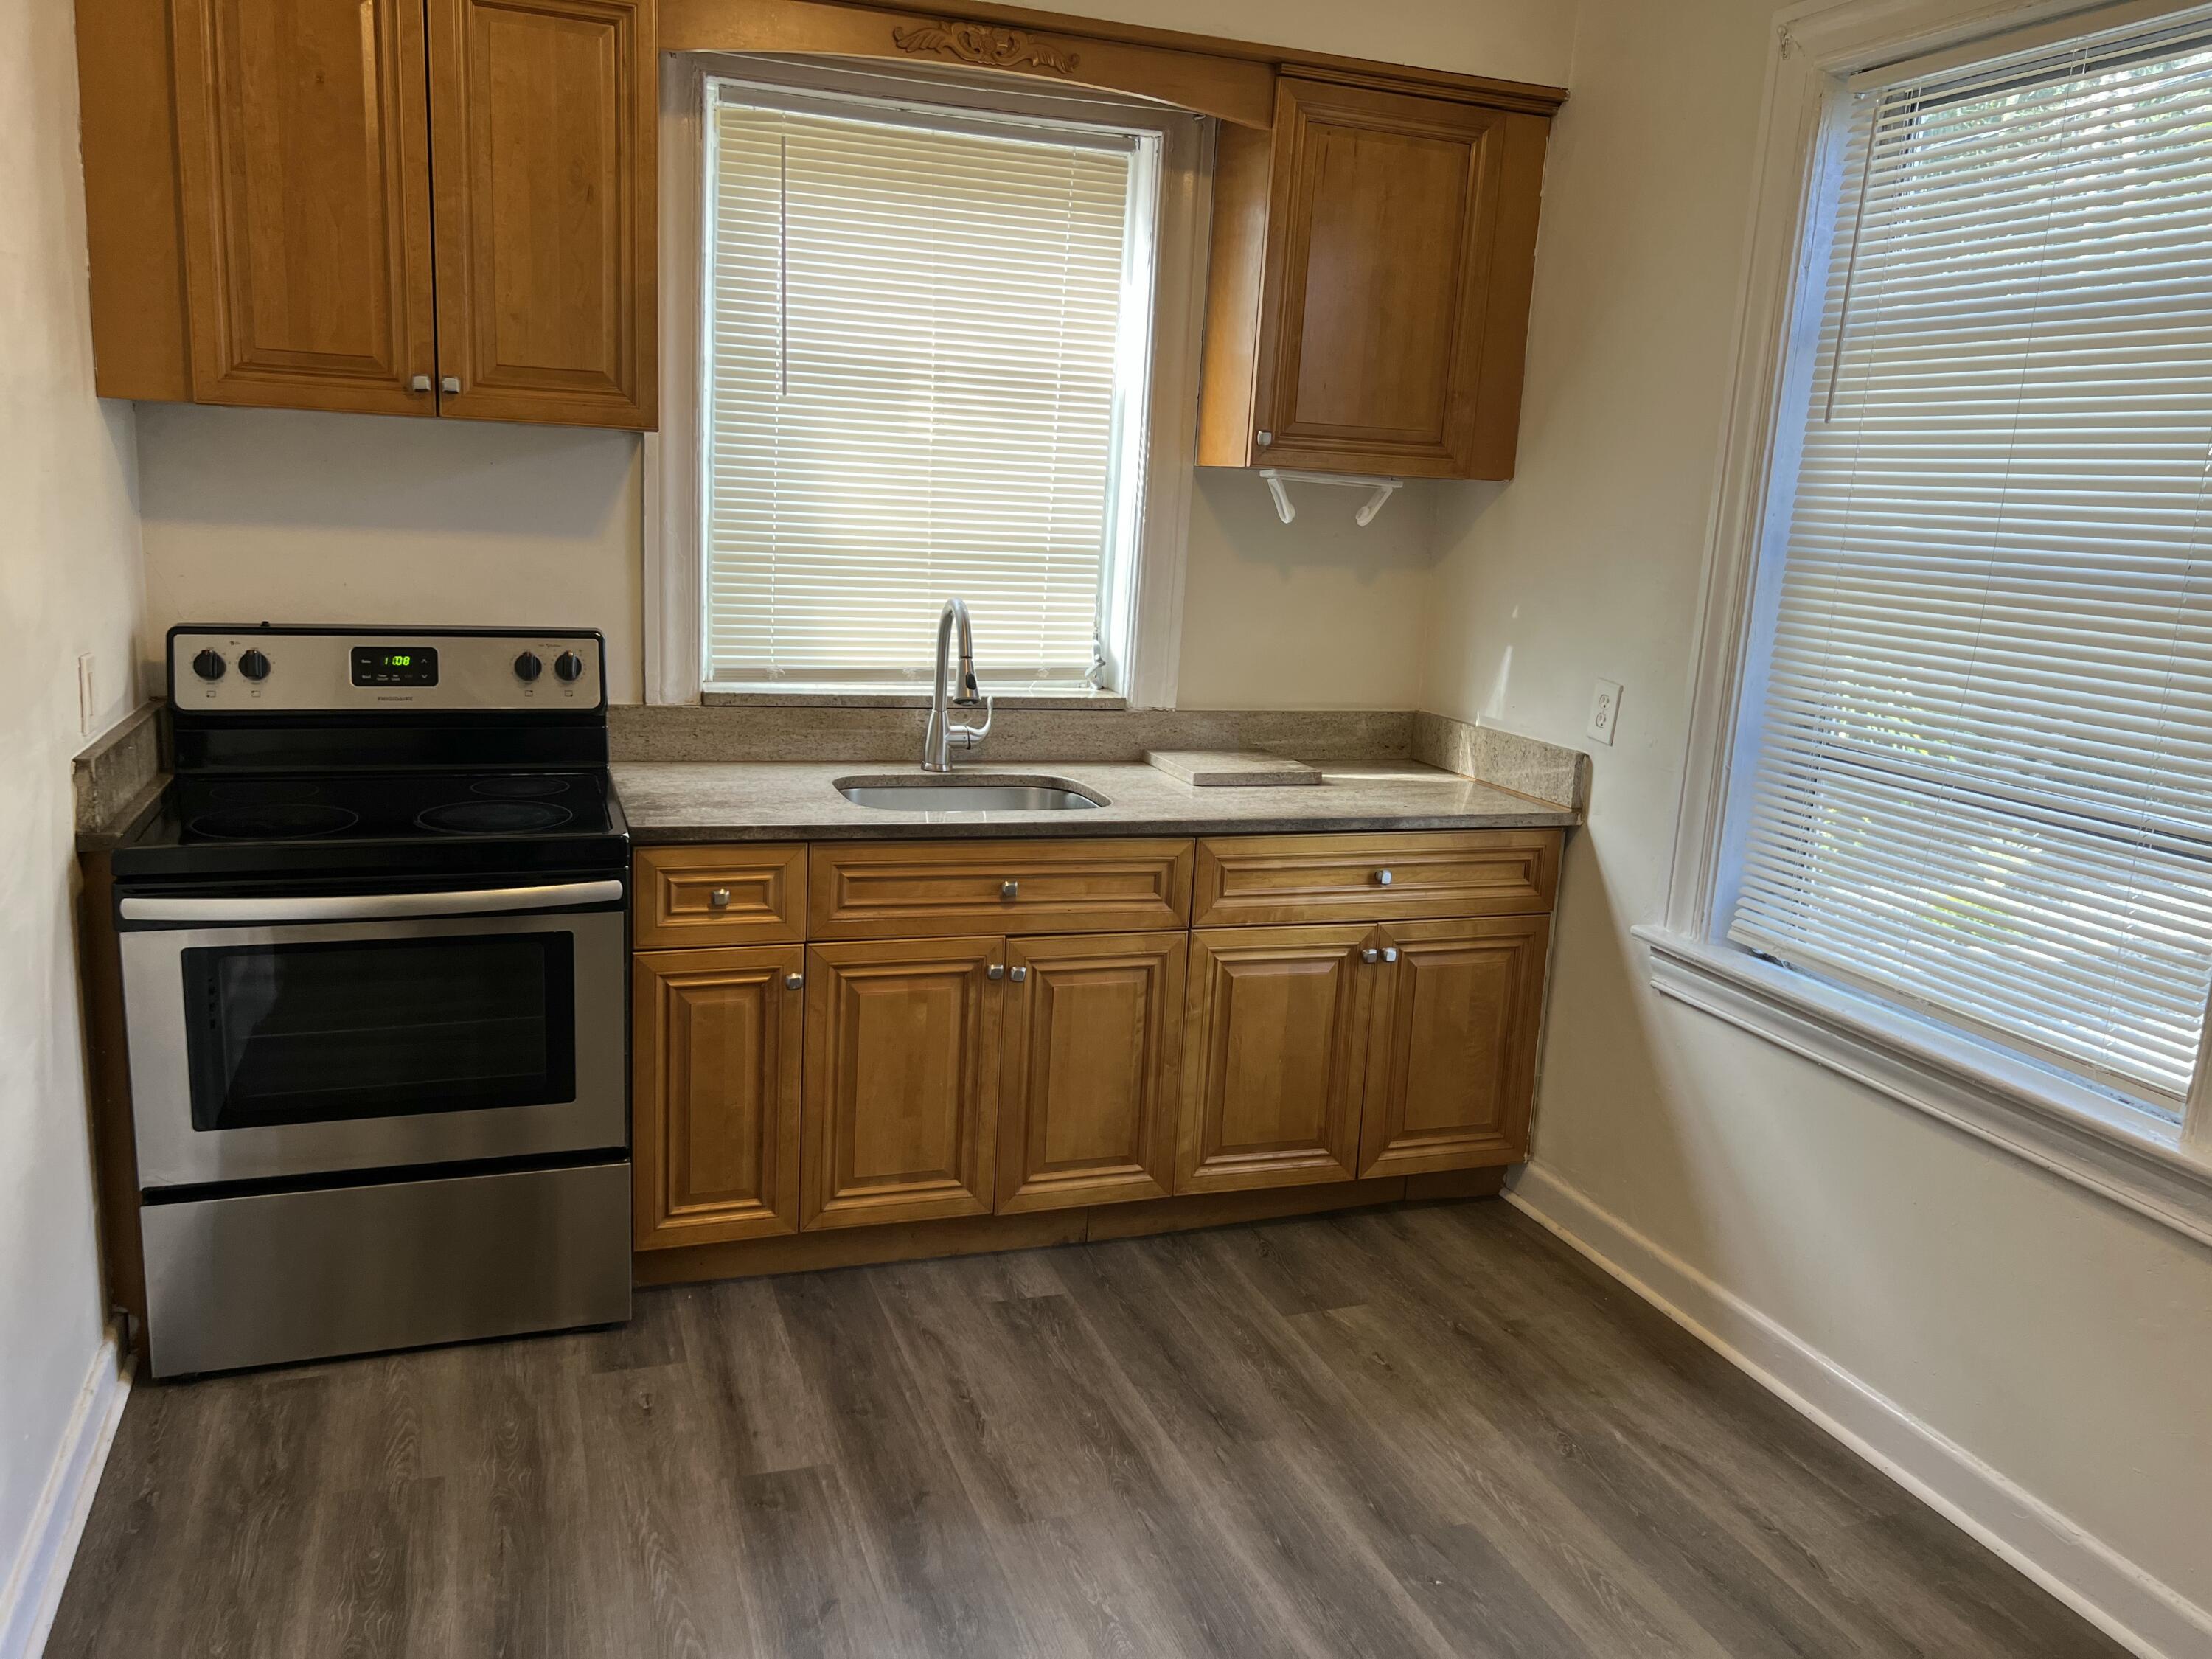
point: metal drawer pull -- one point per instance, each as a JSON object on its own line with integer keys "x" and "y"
{"x": 1010, "y": 890}
{"x": 1389, "y": 953}
{"x": 719, "y": 899}
{"x": 451, "y": 383}
{"x": 994, "y": 971}
{"x": 793, "y": 981}
{"x": 1382, "y": 877}
{"x": 420, "y": 383}
{"x": 1370, "y": 954}
{"x": 1018, "y": 975}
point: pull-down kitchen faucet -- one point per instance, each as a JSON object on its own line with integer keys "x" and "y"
{"x": 937, "y": 738}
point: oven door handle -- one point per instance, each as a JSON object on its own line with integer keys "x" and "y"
{"x": 371, "y": 906}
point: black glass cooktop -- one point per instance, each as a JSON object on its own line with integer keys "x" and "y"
{"x": 387, "y": 807}
{"x": 212, "y": 825}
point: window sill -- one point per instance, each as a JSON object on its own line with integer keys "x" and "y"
{"x": 824, "y": 696}
{"x": 2071, "y": 1130}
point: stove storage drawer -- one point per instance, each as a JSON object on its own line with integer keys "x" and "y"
{"x": 917, "y": 889}
{"x": 1291, "y": 880}
{"x": 265, "y": 1279}
{"x": 703, "y": 895}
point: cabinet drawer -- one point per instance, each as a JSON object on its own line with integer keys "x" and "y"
{"x": 1289, "y": 879}
{"x": 689, "y": 895}
{"x": 879, "y": 890}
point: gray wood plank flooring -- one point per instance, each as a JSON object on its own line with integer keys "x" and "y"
{"x": 1429, "y": 1430}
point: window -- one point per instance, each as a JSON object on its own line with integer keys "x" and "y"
{"x": 1976, "y": 778}
{"x": 928, "y": 336}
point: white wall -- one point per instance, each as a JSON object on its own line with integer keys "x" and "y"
{"x": 265, "y": 515}
{"x": 2061, "y": 1340}
{"x": 327, "y": 518}
{"x": 70, "y": 582}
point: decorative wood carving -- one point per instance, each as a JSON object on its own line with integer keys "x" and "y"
{"x": 980, "y": 43}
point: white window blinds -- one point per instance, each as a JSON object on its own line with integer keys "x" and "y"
{"x": 1984, "y": 783}
{"x": 918, "y": 332}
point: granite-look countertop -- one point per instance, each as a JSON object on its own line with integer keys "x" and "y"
{"x": 711, "y": 801}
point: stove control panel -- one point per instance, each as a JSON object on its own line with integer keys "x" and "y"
{"x": 277, "y": 671}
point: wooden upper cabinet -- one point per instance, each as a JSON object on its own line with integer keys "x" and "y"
{"x": 303, "y": 167}
{"x": 1452, "y": 1061}
{"x": 715, "y": 1041}
{"x": 1368, "y": 301}
{"x": 1093, "y": 1072}
{"x": 395, "y": 207}
{"x": 901, "y": 1091}
{"x": 542, "y": 117}
{"x": 1274, "y": 1059}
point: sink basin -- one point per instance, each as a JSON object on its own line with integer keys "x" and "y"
{"x": 918, "y": 792}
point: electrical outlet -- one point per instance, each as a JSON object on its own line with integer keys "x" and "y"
{"x": 1605, "y": 710}
{"x": 85, "y": 704}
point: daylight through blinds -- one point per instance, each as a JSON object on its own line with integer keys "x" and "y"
{"x": 1983, "y": 782}
{"x": 915, "y": 335}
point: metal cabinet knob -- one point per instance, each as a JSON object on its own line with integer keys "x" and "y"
{"x": 1018, "y": 975}
{"x": 719, "y": 899}
{"x": 1010, "y": 890}
{"x": 420, "y": 383}
{"x": 1370, "y": 954}
{"x": 996, "y": 970}
{"x": 1389, "y": 953}
{"x": 451, "y": 383}
{"x": 1265, "y": 438}
{"x": 794, "y": 982}
{"x": 1384, "y": 878}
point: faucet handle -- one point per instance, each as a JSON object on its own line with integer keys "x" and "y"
{"x": 969, "y": 736}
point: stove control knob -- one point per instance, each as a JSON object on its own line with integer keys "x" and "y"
{"x": 253, "y": 665}
{"x": 568, "y": 666}
{"x": 527, "y": 667}
{"x": 208, "y": 665}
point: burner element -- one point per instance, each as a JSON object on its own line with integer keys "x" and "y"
{"x": 492, "y": 818}
{"x": 520, "y": 788}
{"x": 277, "y": 821}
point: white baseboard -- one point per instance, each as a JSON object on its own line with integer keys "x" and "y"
{"x": 33, "y": 1590}
{"x": 2118, "y": 1597}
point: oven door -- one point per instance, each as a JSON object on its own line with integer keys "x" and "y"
{"x": 300, "y": 1035}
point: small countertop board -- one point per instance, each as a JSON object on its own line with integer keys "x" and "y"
{"x": 1233, "y": 768}
{"x": 674, "y": 801}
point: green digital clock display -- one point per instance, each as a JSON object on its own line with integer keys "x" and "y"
{"x": 407, "y": 665}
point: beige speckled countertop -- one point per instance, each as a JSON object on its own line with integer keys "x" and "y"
{"x": 711, "y": 801}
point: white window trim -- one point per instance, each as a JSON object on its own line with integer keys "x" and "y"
{"x": 2159, "y": 1169}
{"x": 673, "y": 599}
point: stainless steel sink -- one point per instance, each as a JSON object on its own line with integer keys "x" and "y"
{"x": 922, "y": 793}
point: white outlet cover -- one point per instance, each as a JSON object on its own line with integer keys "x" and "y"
{"x": 1605, "y": 710}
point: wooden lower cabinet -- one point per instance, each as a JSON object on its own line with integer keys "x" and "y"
{"x": 900, "y": 1091}
{"x": 785, "y": 1088}
{"x": 1093, "y": 1056}
{"x": 715, "y": 1042}
{"x": 1452, "y": 1061}
{"x": 1276, "y": 1030}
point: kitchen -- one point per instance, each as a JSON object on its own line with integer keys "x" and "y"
{"x": 1428, "y": 653}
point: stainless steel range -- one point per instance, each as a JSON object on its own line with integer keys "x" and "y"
{"x": 373, "y": 946}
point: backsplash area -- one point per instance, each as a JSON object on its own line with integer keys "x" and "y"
{"x": 1541, "y": 770}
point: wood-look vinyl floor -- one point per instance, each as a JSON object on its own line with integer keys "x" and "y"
{"x": 1428, "y": 1431}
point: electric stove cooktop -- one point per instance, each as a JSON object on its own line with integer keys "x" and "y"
{"x": 394, "y": 755}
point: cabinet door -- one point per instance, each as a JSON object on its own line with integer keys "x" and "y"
{"x": 303, "y": 161}
{"x": 542, "y": 117}
{"x": 900, "y": 1091}
{"x": 1092, "y": 1070}
{"x": 716, "y": 1037}
{"x": 1453, "y": 1060}
{"x": 1374, "y": 330}
{"x": 1275, "y": 1057}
